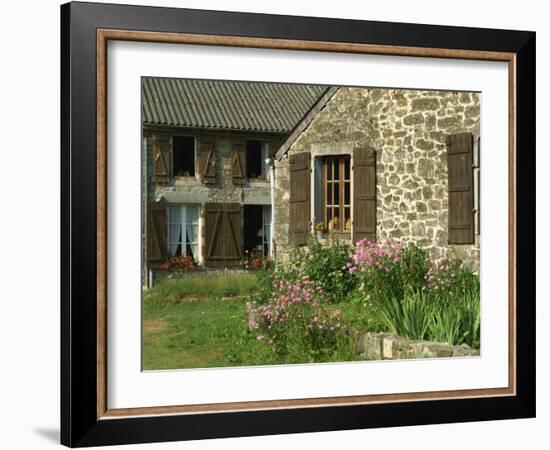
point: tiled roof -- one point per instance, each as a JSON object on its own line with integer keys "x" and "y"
{"x": 232, "y": 105}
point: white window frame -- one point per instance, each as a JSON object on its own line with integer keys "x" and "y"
{"x": 184, "y": 223}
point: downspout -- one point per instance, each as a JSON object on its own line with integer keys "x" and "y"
{"x": 271, "y": 163}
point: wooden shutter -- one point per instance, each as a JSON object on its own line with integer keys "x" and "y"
{"x": 364, "y": 193}
{"x": 300, "y": 198}
{"x": 207, "y": 162}
{"x": 223, "y": 234}
{"x": 213, "y": 226}
{"x": 156, "y": 232}
{"x": 238, "y": 163}
{"x": 162, "y": 157}
{"x": 231, "y": 234}
{"x": 461, "y": 188}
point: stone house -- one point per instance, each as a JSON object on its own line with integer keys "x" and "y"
{"x": 383, "y": 164}
{"x": 207, "y": 166}
{"x": 234, "y": 167}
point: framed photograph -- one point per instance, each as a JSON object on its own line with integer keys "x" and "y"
{"x": 276, "y": 224}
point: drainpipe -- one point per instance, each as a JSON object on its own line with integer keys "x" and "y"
{"x": 270, "y": 162}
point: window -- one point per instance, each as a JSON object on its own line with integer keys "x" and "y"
{"x": 183, "y": 231}
{"x": 183, "y": 149}
{"x": 336, "y": 189}
{"x": 256, "y": 154}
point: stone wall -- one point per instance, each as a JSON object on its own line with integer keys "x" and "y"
{"x": 376, "y": 346}
{"x": 408, "y": 130}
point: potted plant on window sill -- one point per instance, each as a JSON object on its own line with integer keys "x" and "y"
{"x": 320, "y": 231}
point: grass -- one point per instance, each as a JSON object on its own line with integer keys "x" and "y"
{"x": 199, "y": 321}
{"x": 193, "y": 286}
{"x": 194, "y": 322}
{"x": 190, "y": 334}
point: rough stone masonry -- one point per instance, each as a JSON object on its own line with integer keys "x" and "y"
{"x": 408, "y": 130}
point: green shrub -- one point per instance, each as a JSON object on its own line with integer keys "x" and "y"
{"x": 434, "y": 317}
{"x": 326, "y": 264}
{"x": 298, "y": 325}
{"x": 414, "y": 265}
{"x": 409, "y": 317}
{"x": 389, "y": 270}
{"x": 446, "y": 325}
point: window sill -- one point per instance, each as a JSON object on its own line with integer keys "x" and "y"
{"x": 339, "y": 234}
{"x": 186, "y": 181}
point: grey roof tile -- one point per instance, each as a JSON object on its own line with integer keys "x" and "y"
{"x": 235, "y": 105}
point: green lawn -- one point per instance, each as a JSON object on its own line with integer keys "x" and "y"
{"x": 199, "y": 321}
{"x": 192, "y": 322}
{"x": 189, "y": 334}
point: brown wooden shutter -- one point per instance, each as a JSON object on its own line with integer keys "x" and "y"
{"x": 238, "y": 163}
{"x": 461, "y": 188}
{"x": 156, "y": 232}
{"x": 162, "y": 157}
{"x": 223, "y": 234}
{"x": 364, "y": 193}
{"x": 213, "y": 226}
{"x": 300, "y": 198}
{"x": 207, "y": 162}
{"x": 231, "y": 234}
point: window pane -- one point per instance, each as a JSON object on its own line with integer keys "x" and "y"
{"x": 193, "y": 251}
{"x": 336, "y": 193}
{"x": 174, "y": 230}
{"x": 346, "y": 193}
{"x": 328, "y": 165}
{"x": 267, "y": 215}
{"x": 346, "y": 168}
{"x": 347, "y": 218}
{"x": 193, "y": 215}
{"x": 336, "y": 169}
{"x": 334, "y": 222}
{"x": 174, "y": 214}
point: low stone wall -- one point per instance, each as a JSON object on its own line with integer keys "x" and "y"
{"x": 377, "y": 346}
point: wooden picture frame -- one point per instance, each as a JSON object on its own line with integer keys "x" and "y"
{"x": 85, "y": 416}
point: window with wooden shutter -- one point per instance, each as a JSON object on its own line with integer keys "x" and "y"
{"x": 207, "y": 162}
{"x": 364, "y": 193}
{"x": 460, "y": 188}
{"x": 238, "y": 163}
{"x": 156, "y": 232}
{"x": 222, "y": 234}
{"x": 162, "y": 157}
{"x": 300, "y": 198}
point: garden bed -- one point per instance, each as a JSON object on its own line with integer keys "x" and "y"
{"x": 329, "y": 303}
